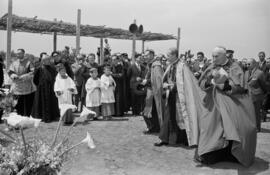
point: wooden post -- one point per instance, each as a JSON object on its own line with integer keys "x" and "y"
{"x": 9, "y": 30}
{"x": 78, "y": 31}
{"x": 101, "y": 51}
{"x": 143, "y": 46}
{"x": 178, "y": 40}
{"x": 133, "y": 45}
{"x": 54, "y": 40}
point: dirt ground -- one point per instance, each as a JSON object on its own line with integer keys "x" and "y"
{"x": 123, "y": 149}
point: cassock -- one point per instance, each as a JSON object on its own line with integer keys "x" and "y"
{"x": 119, "y": 78}
{"x": 45, "y": 104}
{"x": 127, "y": 91}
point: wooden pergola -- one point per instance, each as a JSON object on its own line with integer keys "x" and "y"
{"x": 11, "y": 22}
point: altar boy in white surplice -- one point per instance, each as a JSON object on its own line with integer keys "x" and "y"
{"x": 107, "y": 93}
{"x": 64, "y": 87}
{"x": 93, "y": 92}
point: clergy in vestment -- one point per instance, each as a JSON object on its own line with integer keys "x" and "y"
{"x": 182, "y": 107}
{"x": 228, "y": 125}
{"x": 21, "y": 74}
{"x": 153, "y": 110}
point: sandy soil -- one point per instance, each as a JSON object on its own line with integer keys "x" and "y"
{"x": 123, "y": 149}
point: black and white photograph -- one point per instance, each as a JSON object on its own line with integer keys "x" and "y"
{"x": 146, "y": 87}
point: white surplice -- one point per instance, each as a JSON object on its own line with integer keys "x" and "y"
{"x": 63, "y": 85}
{"x": 93, "y": 95}
{"x": 107, "y": 89}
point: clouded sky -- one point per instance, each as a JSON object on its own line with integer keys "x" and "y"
{"x": 241, "y": 25}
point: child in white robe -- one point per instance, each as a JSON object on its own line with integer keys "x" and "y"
{"x": 93, "y": 92}
{"x": 64, "y": 88}
{"x": 107, "y": 93}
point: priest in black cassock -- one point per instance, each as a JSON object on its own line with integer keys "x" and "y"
{"x": 45, "y": 102}
{"x": 118, "y": 76}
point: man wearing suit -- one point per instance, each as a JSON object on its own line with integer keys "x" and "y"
{"x": 262, "y": 62}
{"x": 257, "y": 88}
{"x": 266, "y": 103}
{"x": 136, "y": 72}
{"x": 200, "y": 65}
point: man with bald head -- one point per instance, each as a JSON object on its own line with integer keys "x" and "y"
{"x": 21, "y": 73}
{"x": 257, "y": 88}
{"x": 181, "y": 110}
{"x": 227, "y": 129}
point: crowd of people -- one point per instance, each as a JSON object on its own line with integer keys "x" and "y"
{"x": 216, "y": 105}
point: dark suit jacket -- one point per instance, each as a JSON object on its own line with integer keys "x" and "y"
{"x": 257, "y": 85}
{"x": 134, "y": 72}
{"x": 263, "y": 67}
{"x": 196, "y": 66}
{"x": 81, "y": 75}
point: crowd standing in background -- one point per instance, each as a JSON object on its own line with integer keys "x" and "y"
{"x": 170, "y": 92}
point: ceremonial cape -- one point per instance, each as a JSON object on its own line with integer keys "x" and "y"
{"x": 155, "y": 92}
{"x": 189, "y": 106}
{"x": 228, "y": 117}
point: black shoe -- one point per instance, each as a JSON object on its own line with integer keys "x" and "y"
{"x": 160, "y": 144}
{"x": 150, "y": 132}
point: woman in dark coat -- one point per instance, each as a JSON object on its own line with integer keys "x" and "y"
{"x": 45, "y": 103}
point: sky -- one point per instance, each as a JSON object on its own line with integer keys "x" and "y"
{"x": 241, "y": 25}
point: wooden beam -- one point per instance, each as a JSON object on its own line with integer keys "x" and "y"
{"x": 143, "y": 46}
{"x": 101, "y": 52}
{"x": 78, "y": 31}
{"x": 54, "y": 40}
{"x": 9, "y": 30}
{"x": 133, "y": 45}
{"x": 178, "y": 40}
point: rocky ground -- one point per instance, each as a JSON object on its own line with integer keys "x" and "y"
{"x": 123, "y": 149}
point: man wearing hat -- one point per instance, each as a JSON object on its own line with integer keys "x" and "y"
{"x": 227, "y": 130}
